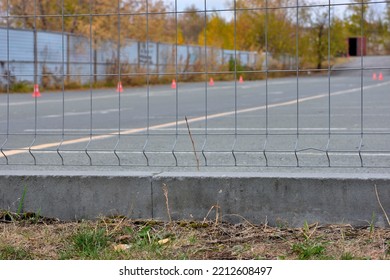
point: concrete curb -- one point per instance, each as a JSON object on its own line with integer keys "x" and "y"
{"x": 233, "y": 197}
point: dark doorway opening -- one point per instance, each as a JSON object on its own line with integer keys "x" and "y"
{"x": 352, "y": 46}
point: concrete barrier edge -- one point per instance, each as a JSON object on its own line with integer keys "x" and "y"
{"x": 276, "y": 199}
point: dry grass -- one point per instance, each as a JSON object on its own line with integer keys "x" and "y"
{"x": 121, "y": 238}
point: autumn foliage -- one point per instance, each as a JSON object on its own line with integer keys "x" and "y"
{"x": 311, "y": 34}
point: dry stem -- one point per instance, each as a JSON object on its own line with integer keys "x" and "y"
{"x": 165, "y": 190}
{"x": 193, "y": 144}
{"x": 217, "y": 207}
{"x": 380, "y": 204}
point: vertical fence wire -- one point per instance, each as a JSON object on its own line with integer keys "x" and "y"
{"x": 329, "y": 84}
{"x": 147, "y": 87}
{"x": 91, "y": 78}
{"x": 235, "y": 82}
{"x": 62, "y": 83}
{"x": 266, "y": 84}
{"x": 206, "y": 87}
{"x": 177, "y": 87}
{"x": 362, "y": 25}
{"x": 8, "y": 78}
{"x": 35, "y": 83}
{"x": 119, "y": 82}
{"x": 297, "y": 82}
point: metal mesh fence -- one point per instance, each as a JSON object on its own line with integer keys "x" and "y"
{"x": 257, "y": 83}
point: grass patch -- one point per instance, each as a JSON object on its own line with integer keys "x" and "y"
{"x": 28, "y": 236}
{"x": 309, "y": 250}
{"x": 347, "y": 256}
{"x": 21, "y": 87}
{"x": 14, "y": 253}
{"x": 21, "y": 202}
{"x": 86, "y": 243}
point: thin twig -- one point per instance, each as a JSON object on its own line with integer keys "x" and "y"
{"x": 380, "y": 204}
{"x": 236, "y": 239}
{"x": 247, "y": 221}
{"x": 193, "y": 144}
{"x": 217, "y": 209}
{"x": 216, "y": 213}
{"x": 208, "y": 213}
{"x": 165, "y": 190}
{"x": 313, "y": 231}
{"x": 118, "y": 225}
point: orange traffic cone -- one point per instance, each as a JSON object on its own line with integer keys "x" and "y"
{"x": 374, "y": 76}
{"x": 173, "y": 86}
{"x": 119, "y": 87}
{"x": 211, "y": 83}
{"x": 380, "y": 77}
{"x": 241, "y": 80}
{"x": 36, "y": 92}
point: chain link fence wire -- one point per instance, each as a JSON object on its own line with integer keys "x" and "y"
{"x": 256, "y": 83}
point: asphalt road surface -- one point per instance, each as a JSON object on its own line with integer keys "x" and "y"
{"x": 313, "y": 121}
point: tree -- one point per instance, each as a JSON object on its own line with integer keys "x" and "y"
{"x": 260, "y": 29}
{"x": 388, "y": 14}
{"x": 80, "y": 18}
{"x": 364, "y": 21}
{"x": 387, "y": 27}
{"x": 314, "y": 31}
{"x": 191, "y": 24}
{"x": 357, "y": 20}
{"x": 320, "y": 29}
{"x": 250, "y": 30}
{"x": 219, "y": 33}
{"x": 338, "y": 35}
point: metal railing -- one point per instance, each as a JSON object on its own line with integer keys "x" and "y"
{"x": 264, "y": 84}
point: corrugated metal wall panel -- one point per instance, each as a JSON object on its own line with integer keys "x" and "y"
{"x": 81, "y": 62}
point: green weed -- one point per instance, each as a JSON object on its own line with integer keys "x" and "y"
{"x": 306, "y": 231}
{"x": 309, "y": 250}
{"x": 193, "y": 239}
{"x": 372, "y": 224}
{"x": 21, "y": 87}
{"x": 347, "y": 256}
{"x": 21, "y": 202}
{"x": 13, "y": 253}
{"x": 87, "y": 243}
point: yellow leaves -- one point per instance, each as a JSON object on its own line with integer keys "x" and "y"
{"x": 255, "y": 28}
{"x": 219, "y": 33}
{"x": 180, "y": 37}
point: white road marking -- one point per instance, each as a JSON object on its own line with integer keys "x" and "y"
{"x": 182, "y": 122}
{"x": 73, "y": 114}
